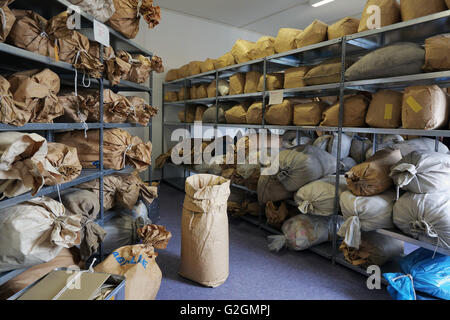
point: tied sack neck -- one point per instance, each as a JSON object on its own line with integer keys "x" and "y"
{"x": 351, "y": 231}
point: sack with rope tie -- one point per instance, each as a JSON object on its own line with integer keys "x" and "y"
{"x": 141, "y": 67}
{"x": 12, "y": 112}
{"x": 65, "y": 160}
{"x": 140, "y": 111}
{"x": 116, "y": 108}
{"x": 115, "y": 66}
{"x": 7, "y": 19}
{"x": 72, "y": 105}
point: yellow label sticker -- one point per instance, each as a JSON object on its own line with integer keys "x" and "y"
{"x": 414, "y": 104}
{"x": 388, "y": 111}
{"x": 56, "y": 53}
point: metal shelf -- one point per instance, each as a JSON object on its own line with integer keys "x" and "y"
{"x": 8, "y": 275}
{"x": 200, "y": 101}
{"x": 409, "y": 132}
{"x": 241, "y": 96}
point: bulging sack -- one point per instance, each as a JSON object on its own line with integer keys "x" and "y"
{"x": 172, "y": 75}
{"x": 308, "y": 114}
{"x": 264, "y": 47}
{"x": 389, "y": 14}
{"x": 210, "y": 114}
{"x": 187, "y": 115}
{"x": 343, "y": 27}
{"x": 194, "y": 68}
{"x": 251, "y": 81}
{"x": 224, "y": 61}
{"x": 425, "y": 217}
{"x": 372, "y": 177}
{"x": 276, "y": 214}
{"x": 241, "y": 50}
{"x": 12, "y": 112}
{"x": 140, "y": 111}
{"x": 324, "y": 74}
{"x": 316, "y": 32}
{"x": 237, "y": 83}
{"x": 65, "y": 160}
{"x": 436, "y": 49}
{"x": 412, "y": 9}
{"x": 346, "y": 144}
{"x": 101, "y": 10}
{"x": 422, "y": 144}
{"x": 254, "y": 113}
{"x": 7, "y": 19}
{"x": 355, "y": 108}
{"x": 279, "y": 114}
{"x": 237, "y": 114}
{"x": 274, "y": 81}
{"x": 207, "y": 65}
{"x": 295, "y": 77}
{"x": 385, "y": 109}
{"x": 359, "y": 148}
{"x": 285, "y": 40}
{"x": 270, "y": 189}
{"x": 204, "y": 230}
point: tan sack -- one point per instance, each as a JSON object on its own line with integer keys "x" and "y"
{"x": 183, "y": 94}
{"x": 194, "y": 68}
{"x": 424, "y": 107}
{"x": 264, "y": 47}
{"x": 241, "y": 50}
{"x": 171, "y": 75}
{"x": 237, "y": 83}
{"x": 436, "y": 53}
{"x": 140, "y": 111}
{"x": 385, "y": 110}
{"x": 207, "y": 65}
{"x": 142, "y": 66}
{"x": 343, "y": 27}
{"x": 285, "y": 40}
{"x": 204, "y": 230}
{"x": 324, "y": 74}
{"x": 412, "y": 9}
{"x": 211, "y": 89}
{"x": 7, "y": 19}
{"x": 276, "y": 215}
{"x": 183, "y": 71}
{"x": 274, "y": 81}
{"x": 171, "y": 96}
{"x": 294, "y": 77}
{"x": 270, "y": 189}
{"x": 12, "y": 112}
{"x": 37, "y": 89}
{"x": 120, "y": 148}
{"x": 199, "y": 111}
{"x": 254, "y": 113}
{"x": 448, "y": 3}
{"x": 316, "y": 32}
{"x": 251, "y": 81}
{"x": 279, "y": 114}
{"x": 65, "y": 160}
{"x": 308, "y": 114}
{"x": 224, "y": 61}
{"x": 190, "y": 114}
{"x": 34, "y": 232}
{"x": 372, "y": 176}
{"x": 237, "y": 114}
{"x": 390, "y": 14}
{"x": 101, "y": 10}
{"x": 115, "y": 108}
{"x": 355, "y": 108}
{"x": 201, "y": 91}
{"x": 192, "y": 93}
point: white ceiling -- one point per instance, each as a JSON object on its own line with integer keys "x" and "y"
{"x": 265, "y": 16}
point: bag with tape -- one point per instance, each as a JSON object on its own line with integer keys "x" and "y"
{"x": 285, "y": 40}
{"x": 237, "y": 83}
{"x": 316, "y": 32}
{"x": 242, "y": 49}
{"x": 389, "y": 14}
{"x": 372, "y": 176}
{"x": 365, "y": 214}
{"x": 279, "y": 114}
{"x": 12, "y": 112}
{"x": 204, "y": 230}
{"x": 224, "y": 61}
{"x": 65, "y": 160}
{"x": 252, "y": 81}
{"x": 263, "y": 47}
{"x": 323, "y": 74}
{"x": 424, "y": 107}
{"x": 412, "y": 9}
{"x": 436, "y": 48}
{"x": 295, "y": 77}
{"x": 35, "y": 232}
{"x": 270, "y": 189}
{"x": 343, "y": 27}
{"x": 7, "y": 19}
{"x": 274, "y": 81}
{"x": 276, "y": 213}
{"x": 254, "y": 113}
{"x": 385, "y": 110}
{"x": 171, "y": 96}
{"x": 355, "y": 108}
{"x": 140, "y": 112}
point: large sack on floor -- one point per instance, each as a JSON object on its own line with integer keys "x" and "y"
{"x": 302, "y": 232}
{"x": 424, "y": 107}
{"x": 237, "y": 114}
{"x": 279, "y": 114}
{"x": 140, "y": 111}
{"x": 241, "y": 50}
{"x": 224, "y": 61}
{"x": 120, "y": 149}
{"x": 422, "y": 172}
{"x": 12, "y": 112}
{"x": 34, "y": 232}
{"x": 317, "y": 197}
{"x": 372, "y": 177}
{"x": 365, "y": 214}
{"x": 316, "y": 32}
{"x": 274, "y": 81}
{"x": 65, "y": 160}
{"x": 392, "y": 61}
{"x": 270, "y": 189}
{"x": 308, "y": 114}
{"x": 375, "y": 249}
{"x": 276, "y": 214}
{"x": 254, "y": 113}
{"x": 204, "y": 230}
{"x": 264, "y": 47}
{"x": 251, "y": 81}
{"x": 207, "y": 65}
{"x": 412, "y": 9}
{"x": 385, "y": 110}
{"x": 343, "y": 27}
{"x": 389, "y": 14}
{"x": 355, "y": 108}
{"x": 324, "y": 74}
{"x": 425, "y": 217}
{"x": 285, "y": 40}
{"x": 436, "y": 53}
{"x": 7, "y": 19}
{"x": 237, "y": 83}
{"x": 303, "y": 165}
{"x": 295, "y": 77}
{"x": 359, "y": 148}
{"x": 346, "y": 144}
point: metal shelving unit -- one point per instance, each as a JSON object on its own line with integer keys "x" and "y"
{"x": 13, "y": 59}
{"x": 346, "y": 48}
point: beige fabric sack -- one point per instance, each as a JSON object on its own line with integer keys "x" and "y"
{"x": 343, "y": 27}
{"x": 254, "y": 113}
{"x": 237, "y": 83}
{"x": 372, "y": 176}
{"x": 241, "y": 50}
{"x": 251, "y": 81}
{"x": 355, "y": 108}
{"x": 224, "y": 61}
{"x": 294, "y": 77}
{"x": 65, "y": 160}
{"x": 412, "y": 9}
{"x": 183, "y": 94}
{"x": 308, "y": 114}
{"x": 190, "y": 114}
{"x": 264, "y": 47}
{"x": 35, "y": 232}
{"x": 237, "y": 114}
{"x": 276, "y": 215}
{"x": 274, "y": 81}
{"x": 172, "y": 75}
{"x": 270, "y": 189}
{"x": 183, "y": 71}
{"x": 140, "y": 111}
{"x": 12, "y": 112}
{"x": 285, "y": 40}
{"x": 316, "y": 32}
{"x": 207, "y": 65}
{"x": 390, "y": 14}
{"x": 201, "y": 91}
{"x": 7, "y": 19}
{"x": 194, "y": 68}
{"x": 385, "y": 109}
{"x": 204, "y": 230}
{"x": 436, "y": 53}
{"x": 324, "y": 74}
{"x": 424, "y": 107}
{"x": 279, "y": 114}
{"x": 171, "y": 96}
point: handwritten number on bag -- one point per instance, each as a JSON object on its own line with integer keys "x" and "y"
{"x": 122, "y": 261}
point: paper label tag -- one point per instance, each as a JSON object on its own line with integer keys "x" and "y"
{"x": 101, "y": 33}
{"x": 388, "y": 111}
{"x": 414, "y": 104}
{"x": 276, "y": 97}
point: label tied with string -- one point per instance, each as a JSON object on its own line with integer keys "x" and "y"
{"x": 125, "y": 154}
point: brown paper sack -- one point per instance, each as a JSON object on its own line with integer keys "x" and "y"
{"x": 171, "y": 96}
{"x": 224, "y": 61}
{"x": 183, "y": 71}
{"x": 324, "y": 74}
{"x": 76, "y": 107}
{"x": 204, "y": 230}
{"x": 7, "y": 19}
{"x": 412, "y": 9}
{"x": 237, "y": 83}
{"x": 264, "y": 47}
{"x": 199, "y": 111}
{"x": 156, "y": 63}
{"x": 285, "y": 40}
{"x": 372, "y": 176}
{"x": 241, "y": 50}
{"x": 308, "y": 114}
{"x": 436, "y": 53}
{"x": 116, "y": 108}
{"x": 390, "y": 14}
{"x": 274, "y": 81}
{"x": 12, "y": 112}
{"x": 251, "y": 81}
{"x": 65, "y": 160}
{"x": 424, "y": 107}
{"x": 294, "y": 77}
{"x": 355, "y": 108}
{"x": 120, "y": 148}
{"x": 237, "y": 114}
{"x": 117, "y": 69}
{"x": 192, "y": 93}
{"x": 141, "y": 67}
{"x": 276, "y": 215}
{"x": 207, "y": 65}
{"x": 37, "y": 90}
{"x": 140, "y": 111}
{"x": 254, "y": 113}
{"x": 201, "y": 91}
{"x": 155, "y": 235}
{"x": 190, "y": 114}
{"x": 343, "y": 27}
{"x": 316, "y": 32}
{"x": 211, "y": 89}
{"x": 194, "y": 68}
{"x": 172, "y": 75}
{"x": 385, "y": 109}
{"x": 279, "y": 114}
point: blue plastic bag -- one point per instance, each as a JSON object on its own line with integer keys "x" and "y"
{"x": 421, "y": 273}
